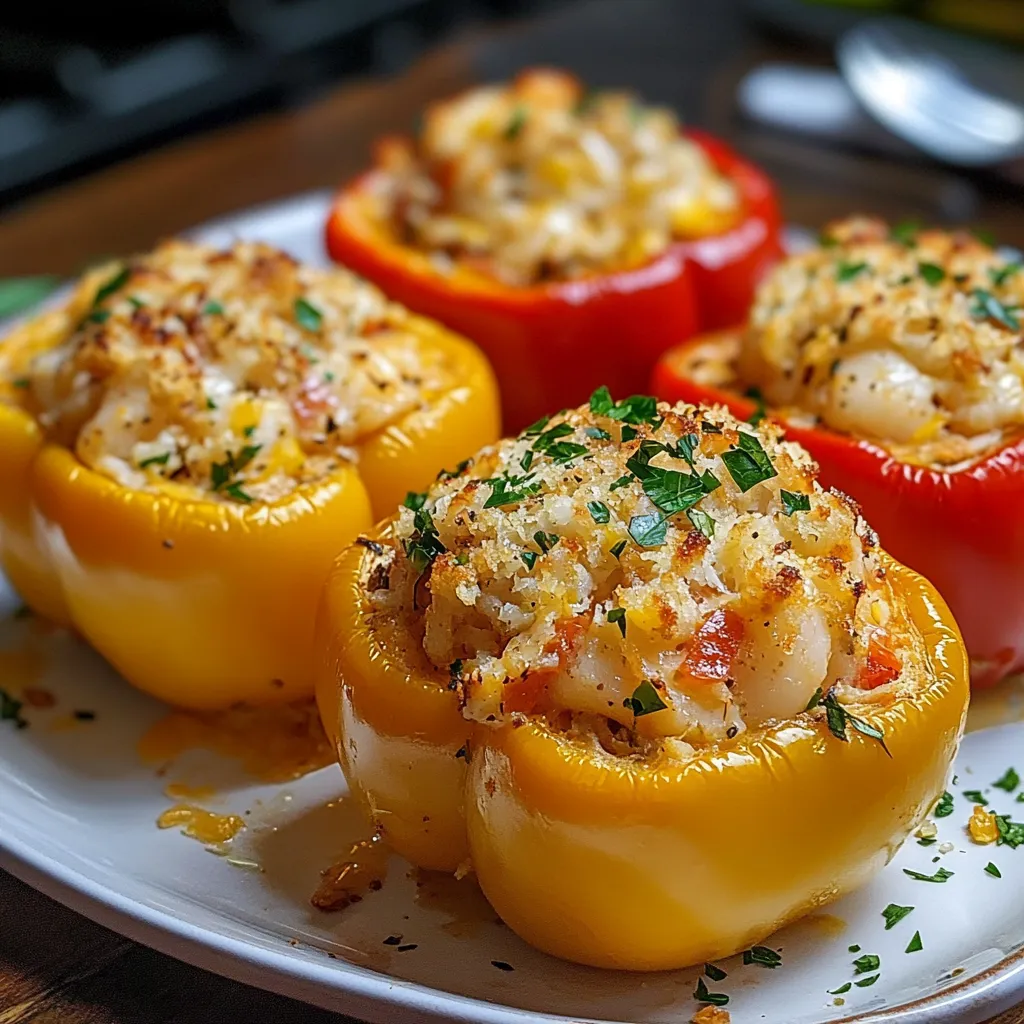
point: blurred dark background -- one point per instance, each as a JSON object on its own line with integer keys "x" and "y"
{"x": 85, "y": 87}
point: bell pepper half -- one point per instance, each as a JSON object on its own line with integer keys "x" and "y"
{"x": 961, "y": 529}
{"x": 553, "y": 344}
{"x": 201, "y": 603}
{"x": 619, "y": 862}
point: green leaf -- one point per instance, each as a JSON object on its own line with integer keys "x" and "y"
{"x": 838, "y": 718}
{"x": 155, "y": 460}
{"x": 848, "y": 271}
{"x": 1000, "y": 275}
{"x": 792, "y": 502}
{"x": 113, "y": 284}
{"x": 10, "y": 710}
{"x": 915, "y": 945}
{"x": 213, "y": 308}
{"x": 853, "y": 949}
{"x": 762, "y": 956}
{"x": 236, "y": 492}
{"x": 987, "y": 307}
{"x": 932, "y": 273}
{"x": 618, "y": 616}
{"x": 601, "y": 402}
{"x": 545, "y": 541}
{"x": 748, "y": 464}
{"x": 842, "y": 990}
{"x": 1011, "y": 833}
{"x": 672, "y": 491}
{"x": 566, "y": 451}
{"x": 598, "y": 511}
{"x": 702, "y": 995}
{"x": 815, "y": 700}
{"x": 648, "y": 531}
{"x": 702, "y": 521}
{"x": 509, "y": 490}
{"x": 894, "y": 913}
{"x": 636, "y": 409}
{"x": 308, "y": 317}
{"x": 516, "y": 123}
{"x": 645, "y": 700}
{"x": 548, "y": 437}
{"x": 618, "y": 548}
{"x": 866, "y": 963}
{"x": 20, "y": 293}
{"x": 535, "y": 428}
{"x": 940, "y": 876}
{"x": 760, "y": 411}
{"x": 415, "y": 500}
{"x": 944, "y": 808}
{"x": 526, "y": 461}
{"x": 905, "y": 232}
{"x": 867, "y": 982}
{"x": 975, "y": 796}
{"x": 451, "y": 474}
{"x": 993, "y": 870}
{"x": 623, "y": 481}
{"x": 715, "y": 973}
{"x": 530, "y": 558}
{"x": 1009, "y": 780}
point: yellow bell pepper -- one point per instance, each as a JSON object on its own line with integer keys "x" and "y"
{"x": 201, "y": 603}
{"x": 617, "y": 862}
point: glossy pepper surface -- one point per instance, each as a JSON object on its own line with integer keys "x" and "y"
{"x": 622, "y": 862}
{"x": 962, "y": 529}
{"x": 207, "y": 603}
{"x": 553, "y": 344}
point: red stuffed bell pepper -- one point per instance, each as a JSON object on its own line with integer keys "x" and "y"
{"x": 573, "y": 236}
{"x": 895, "y": 358}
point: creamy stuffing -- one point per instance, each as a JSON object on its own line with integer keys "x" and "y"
{"x": 645, "y": 574}
{"x": 240, "y": 373}
{"x": 538, "y": 180}
{"x": 912, "y": 338}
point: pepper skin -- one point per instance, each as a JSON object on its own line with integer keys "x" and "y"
{"x": 206, "y": 604}
{"x": 553, "y": 344}
{"x": 622, "y": 863}
{"x": 963, "y": 530}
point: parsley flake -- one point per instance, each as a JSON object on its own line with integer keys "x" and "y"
{"x": 867, "y": 982}
{"x": 814, "y": 701}
{"x": 915, "y": 945}
{"x": 940, "y": 876}
{"x": 894, "y": 913}
{"x": 1000, "y": 275}
{"x": 621, "y": 482}
{"x": 932, "y": 273}
{"x": 975, "y": 796}
{"x": 113, "y": 284}
{"x": 792, "y": 502}
{"x": 530, "y": 559}
{"x": 509, "y": 490}
{"x": 905, "y": 232}
{"x": 213, "y": 309}
{"x": 702, "y": 995}
{"x": 748, "y": 464}
{"x": 645, "y": 700}
{"x": 21, "y": 382}
{"x": 838, "y": 718}
{"x": 535, "y": 428}
{"x": 842, "y": 990}
{"x": 715, "y": 973}
{"x": 597, "y": 433}
{"x": 545, "y": 541}
{"x": 636, "y": 409}
{"x": 987, "y": 307}
{"x": 516, "y": 124}
{"x": 598, "y": 511}
{"x": 308, "y": 317}
{"x": 618, "y": 616}
{"x": 649, "y": 531}
{"x": 702, "y": 521}
{"x": 10, "y": 710}
{"x": 866, "y": 963}
{"x": 1009, "y": 781}
{"x": 618, "y": 548}
{"x": 848, "y": 271}
{"x": 1011, "y": 833}
{"x": 993, "y": 870}
{"x": 155, "y": 460}
{"x": 762, "y": 956}
{"x": 944, "y": 808}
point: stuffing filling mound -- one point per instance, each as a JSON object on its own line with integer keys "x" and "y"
{"x": 644, "y": 575}
{"x": 239, "y": 374}
{"x": 912, "y": 338}
{"x": 538, "y": 181}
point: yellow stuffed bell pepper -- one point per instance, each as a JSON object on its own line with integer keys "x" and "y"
{"x": 659, "y": 716}
{"x": 185, "y": 526}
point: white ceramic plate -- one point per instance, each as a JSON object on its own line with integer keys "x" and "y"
{"x": 77, "y": 820}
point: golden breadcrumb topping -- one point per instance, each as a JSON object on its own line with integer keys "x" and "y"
{"x": 538, "y": 180}
{"x": 653, "y": 573}
{"x": 241, "y": 373}
{"x": 913, "y": 338}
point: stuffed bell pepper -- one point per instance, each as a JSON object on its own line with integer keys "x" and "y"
{"x": 589, "y": 663}
{"x": 896, "y": 357}
{"x": 189, "y": 439}
{"x": 574, "y": 236}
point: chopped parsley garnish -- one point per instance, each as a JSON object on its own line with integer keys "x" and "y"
{"x": 566, "y": 451}
{"x": 984, "y": 236}
{"x": 222, "y": 473}
{"x": 621, "y": 482}
{"x": 1009, "y": 782}
{"x": 628, "y": 433}
{"x": 927, "y": 841}
{"x": 529, "y": 558}
{"x": 618, "y": 548}
{"x": 853, "y": 949}
{"x": 238, "y": 493}
{"x": 866, "y": 964}
{"x": 1000, "y": 275}
{"x": 940, "y": 876}
{"x": 249, "y": 430}
{"x": 987, "y": 307}
{"x": 645, "y": 700}
{"x": 502, "y": 965}
{"x": 155, "y": 460}
{"x": 451, "y": 474}
{"x": 535, "y": 428}
{"x": 944, "y": 808}
{"x": 760, "y": 411}
{"x": 548, "y": 437}
{"x": 648, "y": 531}
{"x": 99, "y": 316}
{"x": 670, "y": 490}
{"x": 597, "y": 433}
{"x": 905, "y": 232}
{"x": 508, "y": 490}
{"x": 307, "y": 316}
{"x": 709, "y": 428}
{"x": 792, "y": 502}
{"x": 213, "y": 309}
{"x": 685, "y": 448}
{"x": 748, "y": 464}
{"x": 993, "y": 870}
{"x": 1011, "y": 833}
{"x": 636, "y": 409}
{"x": 842, "y": 990}
{"x": 915, "y": 945}
{"x": 210, "y": 403}
{"x": 545, "y": 541}
{"x": 702, "y": 521}
{"x": 598, "y": 511}
{"x": 526, "y": 461}
{"x": 894, "y": 913}
{"x": 839, "y": 718}
{"x": 21, "y": 382}
{"x": 10, "y": 710}
{"x": 975, "y": 796}
{"x": 815, "y": 700}
{"x": 516, "y": 123}
{"x": 762, "y": 956}
{"x": 932, "y": 273}
{"x": 848, "y": 271}
{"x": 618, "y": 616}
{"x": 415, "y": 500}
{"x": 867, "y": 982}
{"x": 111, "y": 285}
{"x": 424, "y": 545}
{"x": 702, "y": 995}
{"x": 715, "y": 973}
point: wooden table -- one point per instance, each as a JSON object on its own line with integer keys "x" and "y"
{"x": 58, "y": 968}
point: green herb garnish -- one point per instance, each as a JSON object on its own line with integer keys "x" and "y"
{"x": 535, "y": 428}
{"x": 915, "y": 945}
{"x": 516, "y": 123}
{"x": 526, "y": 461}
{"x": 508, "y": 490}
{"x": 715, "y": 973}
{"x": 213, "y": 308}
{"x": 21, "y": 382}
{"x": 529, "y": 558}
{"x": 598, "y": 511}
{"x": 866, "y": 963}
{"x": 636, "y": 409}
{"x": 1009, "y": 781}
{"x": 867, "y": 982}
{"x": 839, "y": 718}
{"x": 618, "y": 616}
{"x": 932, "y": 273}
{"x": 1000, "y": 275}
{"x": 748, "y": 464}
{"x": 424, "y": 545}
{"x": 905, "y": 232}
{"x": 792, "y": 502}
{"x": 814, "y": 702}
{"x": 702, "y": 995}
{"x": 940, "y": 876}
{"x": 621, "y": 482}
{"x": 842, "y": 990}
{"x": 987, "y": 307}
{"x": 237, "y": 492}
{"x": 975, "y": 796}
{"x": 760, "y": 410}
{"x": 993, "y": 870}
{"x": 222, "y": 473}
{"x": 545, "y": 541}
{"x": 702, "y": 521}
{"x": 762, "y": 956}
{"x": 111, "y": 285}
{"x": 597, "y": 433}
{"x": 618, "y": 548}
{"x": 10, "y": 710}
{"x": 307, "y": 316}
{"x": 944, "y": 808}
{"x": 848, "y": 271}
{"x": 894, "y": 913}
{"x": 99, "y": 316}
{"x": 1011, "y": 833}
{"x": 645, "y": 700}
{"x": 648, "y": 531}
{"x": 565, "y": 451}
{"x": 155, "y": 460}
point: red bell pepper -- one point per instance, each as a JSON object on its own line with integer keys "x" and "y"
{"x": 553, "y": 344}
{"x": 963, "y": 529}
